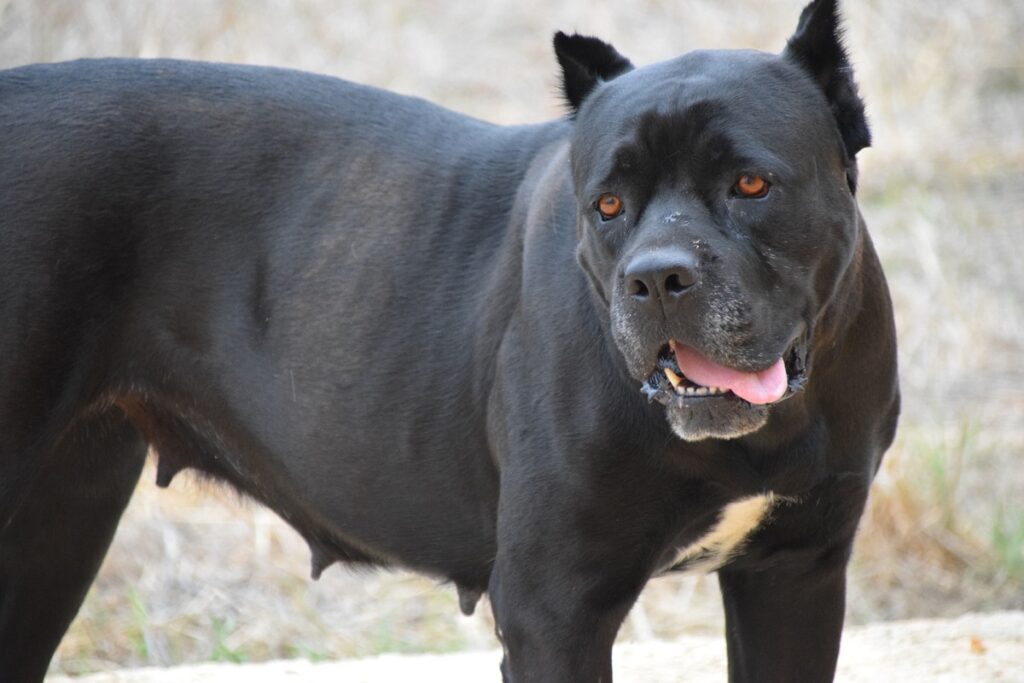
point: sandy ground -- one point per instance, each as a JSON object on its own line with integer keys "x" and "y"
{"x": 973, "y": 648}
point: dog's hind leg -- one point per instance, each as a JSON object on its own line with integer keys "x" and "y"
{"x": 51, "y": 549}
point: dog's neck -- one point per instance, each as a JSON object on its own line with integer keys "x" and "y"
{"x": 839, "y": 314}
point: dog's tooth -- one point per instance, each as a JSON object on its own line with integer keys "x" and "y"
{"x": 675, "y": 379}
{"x": 701, "y": 391}
{"x": 672, "y": 345}
{"x": 690, "y": 391}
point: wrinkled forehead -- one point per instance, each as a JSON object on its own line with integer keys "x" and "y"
{"x": 737, "y": 102}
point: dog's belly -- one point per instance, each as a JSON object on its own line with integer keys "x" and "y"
{"x": 736, "y": 522}
{"x": 329, "y": 492}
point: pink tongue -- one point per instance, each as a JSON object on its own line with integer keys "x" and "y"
{"x": 765, "y": 386}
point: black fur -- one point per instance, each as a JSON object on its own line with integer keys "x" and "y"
{"x": 411, "y": 334}
{"x": 586, "y": 62}
{"x": 817, "y": 46}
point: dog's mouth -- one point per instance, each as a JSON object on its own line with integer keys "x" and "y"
{"x": 682, "y": 375}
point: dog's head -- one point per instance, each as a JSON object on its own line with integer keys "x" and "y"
{"x": 716, "y": 214}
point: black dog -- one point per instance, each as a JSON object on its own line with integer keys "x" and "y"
{"x": 544, "y": 362}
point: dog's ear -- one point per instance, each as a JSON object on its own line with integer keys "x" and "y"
{"x": 586, "y": 62}
{"x": 818, "y": 48}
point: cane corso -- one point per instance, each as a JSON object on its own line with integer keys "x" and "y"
{"x": 547, "y": 362}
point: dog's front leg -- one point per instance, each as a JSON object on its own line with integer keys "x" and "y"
{"x": 785, "y": 624}
{"x": 562, "y": 582}
{"x": 553, "y": 623}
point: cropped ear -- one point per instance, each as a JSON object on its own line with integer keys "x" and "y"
{"x": 586, "y": 62}
{"x": 817, "y": 47}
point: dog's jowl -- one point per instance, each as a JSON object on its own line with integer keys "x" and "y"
{"x": 547, "y": 363}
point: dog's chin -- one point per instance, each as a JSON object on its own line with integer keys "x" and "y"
{"x": 725, "y": 417}
{"x": 697, "y": 412}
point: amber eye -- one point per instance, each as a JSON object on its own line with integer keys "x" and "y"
{"x": 609, "y": 206}
{"x": 751, "y": 186}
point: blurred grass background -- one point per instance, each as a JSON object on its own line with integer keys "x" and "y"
{"x": 196, "y": 574}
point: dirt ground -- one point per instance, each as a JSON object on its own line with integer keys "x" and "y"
{"x": 974, "y": 648}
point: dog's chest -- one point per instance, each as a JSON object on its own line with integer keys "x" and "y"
{"x": 725, "y": 538}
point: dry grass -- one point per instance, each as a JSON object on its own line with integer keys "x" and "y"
{"x": 196, "y": 575}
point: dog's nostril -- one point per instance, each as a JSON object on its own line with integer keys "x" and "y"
{"x": 673, "y": 285}
{"x": 638, "y": 289}
{"x": 680, "y": 279}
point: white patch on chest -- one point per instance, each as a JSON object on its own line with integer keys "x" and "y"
{"x": 725, "y": 538}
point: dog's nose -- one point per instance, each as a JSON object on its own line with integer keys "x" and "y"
{"x": 664, "y": 274}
